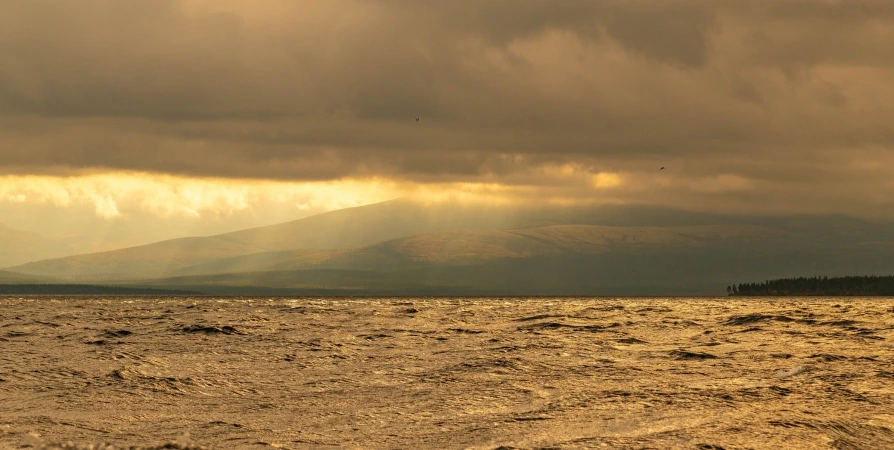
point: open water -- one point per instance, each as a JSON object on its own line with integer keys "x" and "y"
{"x": 569, "y": 373}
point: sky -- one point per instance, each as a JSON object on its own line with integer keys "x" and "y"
{"x": 202, "y": 116}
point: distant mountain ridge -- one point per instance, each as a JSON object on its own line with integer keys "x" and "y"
{"x": 401, "y": 246}
{"x": 346, "y": 228}
{"x": 342, "y": 229}
{"x": 18, "y": 247}
{"x": 465, "y": 247}
{"x": 615, "y": 261}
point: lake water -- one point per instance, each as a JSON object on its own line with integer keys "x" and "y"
{"x": 569, "y": 373}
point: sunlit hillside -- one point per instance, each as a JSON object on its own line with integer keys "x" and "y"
{"x": 402, "y": 246}
{"x": 17, "y": 247}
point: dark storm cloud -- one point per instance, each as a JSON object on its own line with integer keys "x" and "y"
{"x": 669, "y": 31}
{"x": 810, "y": 33}
{"x": 778, "y": 91}
{"x": 377, "y": 59}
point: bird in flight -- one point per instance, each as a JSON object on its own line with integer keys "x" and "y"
{"x": 662, "y": 168}
{"x": 417, "y": 119}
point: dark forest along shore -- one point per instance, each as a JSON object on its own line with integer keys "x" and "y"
{"x": 438, "y": 373}
{"x": 864, "y": 286}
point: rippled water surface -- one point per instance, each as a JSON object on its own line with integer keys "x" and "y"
{"x": 449, "y": 373}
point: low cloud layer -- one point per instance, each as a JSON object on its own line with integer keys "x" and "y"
{"x": 753, "y": 106}
{"x": 117, "y": 195}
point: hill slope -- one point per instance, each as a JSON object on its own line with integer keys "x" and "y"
{"x": 464, "y": 247}
{"x": 18, "y": 278}
{"x": 568, "y": 259}
{"x": 18, "y": 247}
{"x": 344, "y": 228}
{"x": 402, "y": 235}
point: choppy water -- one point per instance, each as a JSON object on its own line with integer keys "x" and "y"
{"x": 449, "y": 373}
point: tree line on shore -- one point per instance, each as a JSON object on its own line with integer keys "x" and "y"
{"x": 825, "y": 286}
{"x": 83, "y": 289}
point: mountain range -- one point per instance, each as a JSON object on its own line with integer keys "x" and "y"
{"x": 402, "y": 247}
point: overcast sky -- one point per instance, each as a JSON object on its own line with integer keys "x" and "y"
{"x": 753, "y": 106}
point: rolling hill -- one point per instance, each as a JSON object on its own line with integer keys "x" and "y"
{"x": 400, "y": 246}
{"x": 659, "y": 273}
{"x": 568, "y": 259}
{"x": 346, "y": 228}
{"x": 18, "y": 278}
{"x": 18, "y": 247}
{"x": 465, "y": 247}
